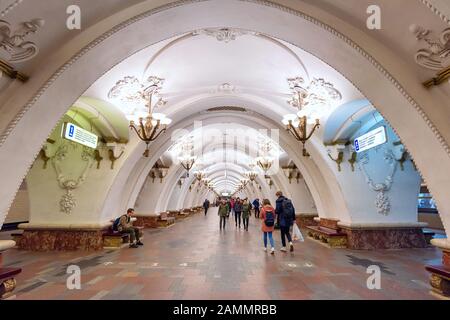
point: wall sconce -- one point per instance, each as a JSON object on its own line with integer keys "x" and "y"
{"x": 152, "y": 175}
{"x": 181, "y": 182}
{"x": 289, "y": 172}
{"x": 115, "y": 151}
{"x": 336, "y": 153}
{"x": 162, "y": 172}
{"x": 269, "y": 181}
{"x": 352, "y": 160}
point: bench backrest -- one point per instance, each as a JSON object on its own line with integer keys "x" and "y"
{"x": 329, "y": 223}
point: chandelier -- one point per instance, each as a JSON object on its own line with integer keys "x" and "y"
{"x": 251, "y": 174}
{"x": 187, "y": 160}
{"x": 265, "y": 161}
{"x": 297, "y": 124}
{"x": 312, "y": 100}
{"x": 199, "y": 175}
{"x": 136, "y": 97}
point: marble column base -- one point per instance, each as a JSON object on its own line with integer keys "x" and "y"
{"x": 384, "y": 238}
{"x": 61, "y": 240}
{"x": 440, "y": 273}
{"x": 146, "y": 221}
{"x": 306, "y": 219}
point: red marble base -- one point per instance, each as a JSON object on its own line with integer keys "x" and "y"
{"x": 146, "y": 221}
{"x": 384, "y": 238}
{"x": 446, "y": 258}
{"x": 61, "y": 240}
{"x": 304, "y": 220}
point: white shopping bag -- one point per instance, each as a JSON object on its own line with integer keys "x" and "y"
{"x": 296, "y": 233}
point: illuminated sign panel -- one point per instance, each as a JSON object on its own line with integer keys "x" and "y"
{"x": 370, "y": 139}
{"x": 79, "y": 135}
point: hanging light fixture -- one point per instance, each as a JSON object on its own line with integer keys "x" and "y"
{"x": 297, "y": 126}
{"x": 312, "y": 100}
{"x": 199, "y": 175}
{"x": 265, "y": 161}
{"x": 187, "y": 160}
{"x": 131, "y": 91}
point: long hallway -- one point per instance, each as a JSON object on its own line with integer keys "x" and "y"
{"x": 193, "y": 260}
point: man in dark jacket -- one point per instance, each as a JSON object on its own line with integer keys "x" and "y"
{"x": 286, "y": 214}
{"x": 206, "y": 206}
{"x": 256, "y": 206}
{"x": 237, "y": 211}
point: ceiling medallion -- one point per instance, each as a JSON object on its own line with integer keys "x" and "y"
{"x": 224, "y": 34}
{"x": 14, "y": 43}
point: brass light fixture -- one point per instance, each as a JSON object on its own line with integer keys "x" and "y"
{"x": 187, "y": 160}
{"x": 265, "y": 161}
{"x": 149, "y": 125}
{"x": 297, "y": 126}
{"x": 311, "y": 99}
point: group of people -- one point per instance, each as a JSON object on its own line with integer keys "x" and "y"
{"x": 283, "y": 215}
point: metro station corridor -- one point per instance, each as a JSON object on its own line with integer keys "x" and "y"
{"x": 194, "y": 260}
{"x": 123, "y": 119}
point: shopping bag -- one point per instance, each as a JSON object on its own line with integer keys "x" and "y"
{"x": 297, "y": 235}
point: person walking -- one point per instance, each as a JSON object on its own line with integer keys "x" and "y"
{"x": 246, "y": 207}
{"x": 268, "y": 224}
{"x": 125, "y": 225}
{"x": 237, "y": 212}
{"x": 286, "y": 214}
{"x": 256, "y": 207}
{"x": 223, "y": 212}
{"x": 206, "y": 206}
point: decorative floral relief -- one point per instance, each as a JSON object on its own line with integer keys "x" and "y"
{"x": 224, "y": 34}
{"x": 436, "y": 56}
{"x": 68, "y": 201}
{"x": 14, "y": 43}
{"x": 382, "y": 201}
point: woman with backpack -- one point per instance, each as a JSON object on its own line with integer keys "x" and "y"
{"x": 268, "y": 224}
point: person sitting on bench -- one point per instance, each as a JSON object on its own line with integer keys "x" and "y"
{"x": 126, "y": 226}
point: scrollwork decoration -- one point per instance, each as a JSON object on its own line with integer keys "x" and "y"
{"x": 382, "y": 201}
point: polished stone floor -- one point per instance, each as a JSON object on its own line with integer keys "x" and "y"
{"x": 193, "y": 260}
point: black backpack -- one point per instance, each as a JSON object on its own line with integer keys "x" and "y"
{"x": 288, "y": 209}
{"x": 270, "y": 219}
{"x": 116, "y": 223}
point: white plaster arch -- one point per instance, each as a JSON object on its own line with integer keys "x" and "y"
{"x": 358, "y": 66}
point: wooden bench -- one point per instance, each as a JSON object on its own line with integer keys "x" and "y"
{"x": 7, "y": 281}
{"x": 115, "y": 239}
{"x": 165, "y": 220}
{"x": 440, "y": 278}
{"x": 328, "y": 232}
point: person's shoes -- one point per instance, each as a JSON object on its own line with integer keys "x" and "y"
{"x": 283, "y": 249}
{"x": 291, "y": 246}
{"x": 272, "y": 251}
{"x": 139, "y": 243}
{"x": 265, "y": 249}
{"x": 133, "y": 245}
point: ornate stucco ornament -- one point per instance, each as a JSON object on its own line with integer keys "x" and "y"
{"x": 14, "y": 43}
{"x": 436, "y": 56}
{"x": 68, "y": 202}
{"x": 382, "y": 201}
{"x": 318, "y": 93}
{"x": 224, "y": 34}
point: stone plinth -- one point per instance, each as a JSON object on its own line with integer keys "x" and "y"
{"x": 61, "y": 238}
{"x": 306, "y": 219}
{"x": 147, "y": 221}
{"x": 440, "y": 273}
{"x": 378, "y": 236}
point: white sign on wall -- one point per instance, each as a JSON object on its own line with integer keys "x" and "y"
{"x": 370, "y": 139}
{"x": 74, "y": 133}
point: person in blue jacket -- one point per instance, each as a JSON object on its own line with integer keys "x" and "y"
{"x": 286, "y": 213}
